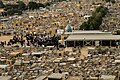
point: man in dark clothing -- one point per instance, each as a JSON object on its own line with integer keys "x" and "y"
{"x": 2, "y": 43}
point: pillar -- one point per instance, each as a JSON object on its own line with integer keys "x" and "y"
{"x": 101, "y": 42}
{"x": 83, "y": 42}
{"x": 74, "y": 43}
{"x": 110, "y": 43}
{"x": 66, "y": 43}
{"x": 92, "y": 42}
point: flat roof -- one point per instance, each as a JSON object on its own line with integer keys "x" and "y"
{"x": 71, "y": 59}
{"x": 18, "y": 62}
{"x": 108, "y": 77}
{"x": 93, "y": 37}
{"x": 87, "y": 32}
{"x": 117, "y": 61}
{"x": 55, "y": 76}
{"x": 41, "y": 78}
{"x": 3, "y": 66}
{"x": 5, "y": 77}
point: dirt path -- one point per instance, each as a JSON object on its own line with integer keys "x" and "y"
{"x": 5, "y": 38}
{"x": 84, "y": 52}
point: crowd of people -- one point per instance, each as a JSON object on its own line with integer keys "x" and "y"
{"x": 33, "y": 40}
